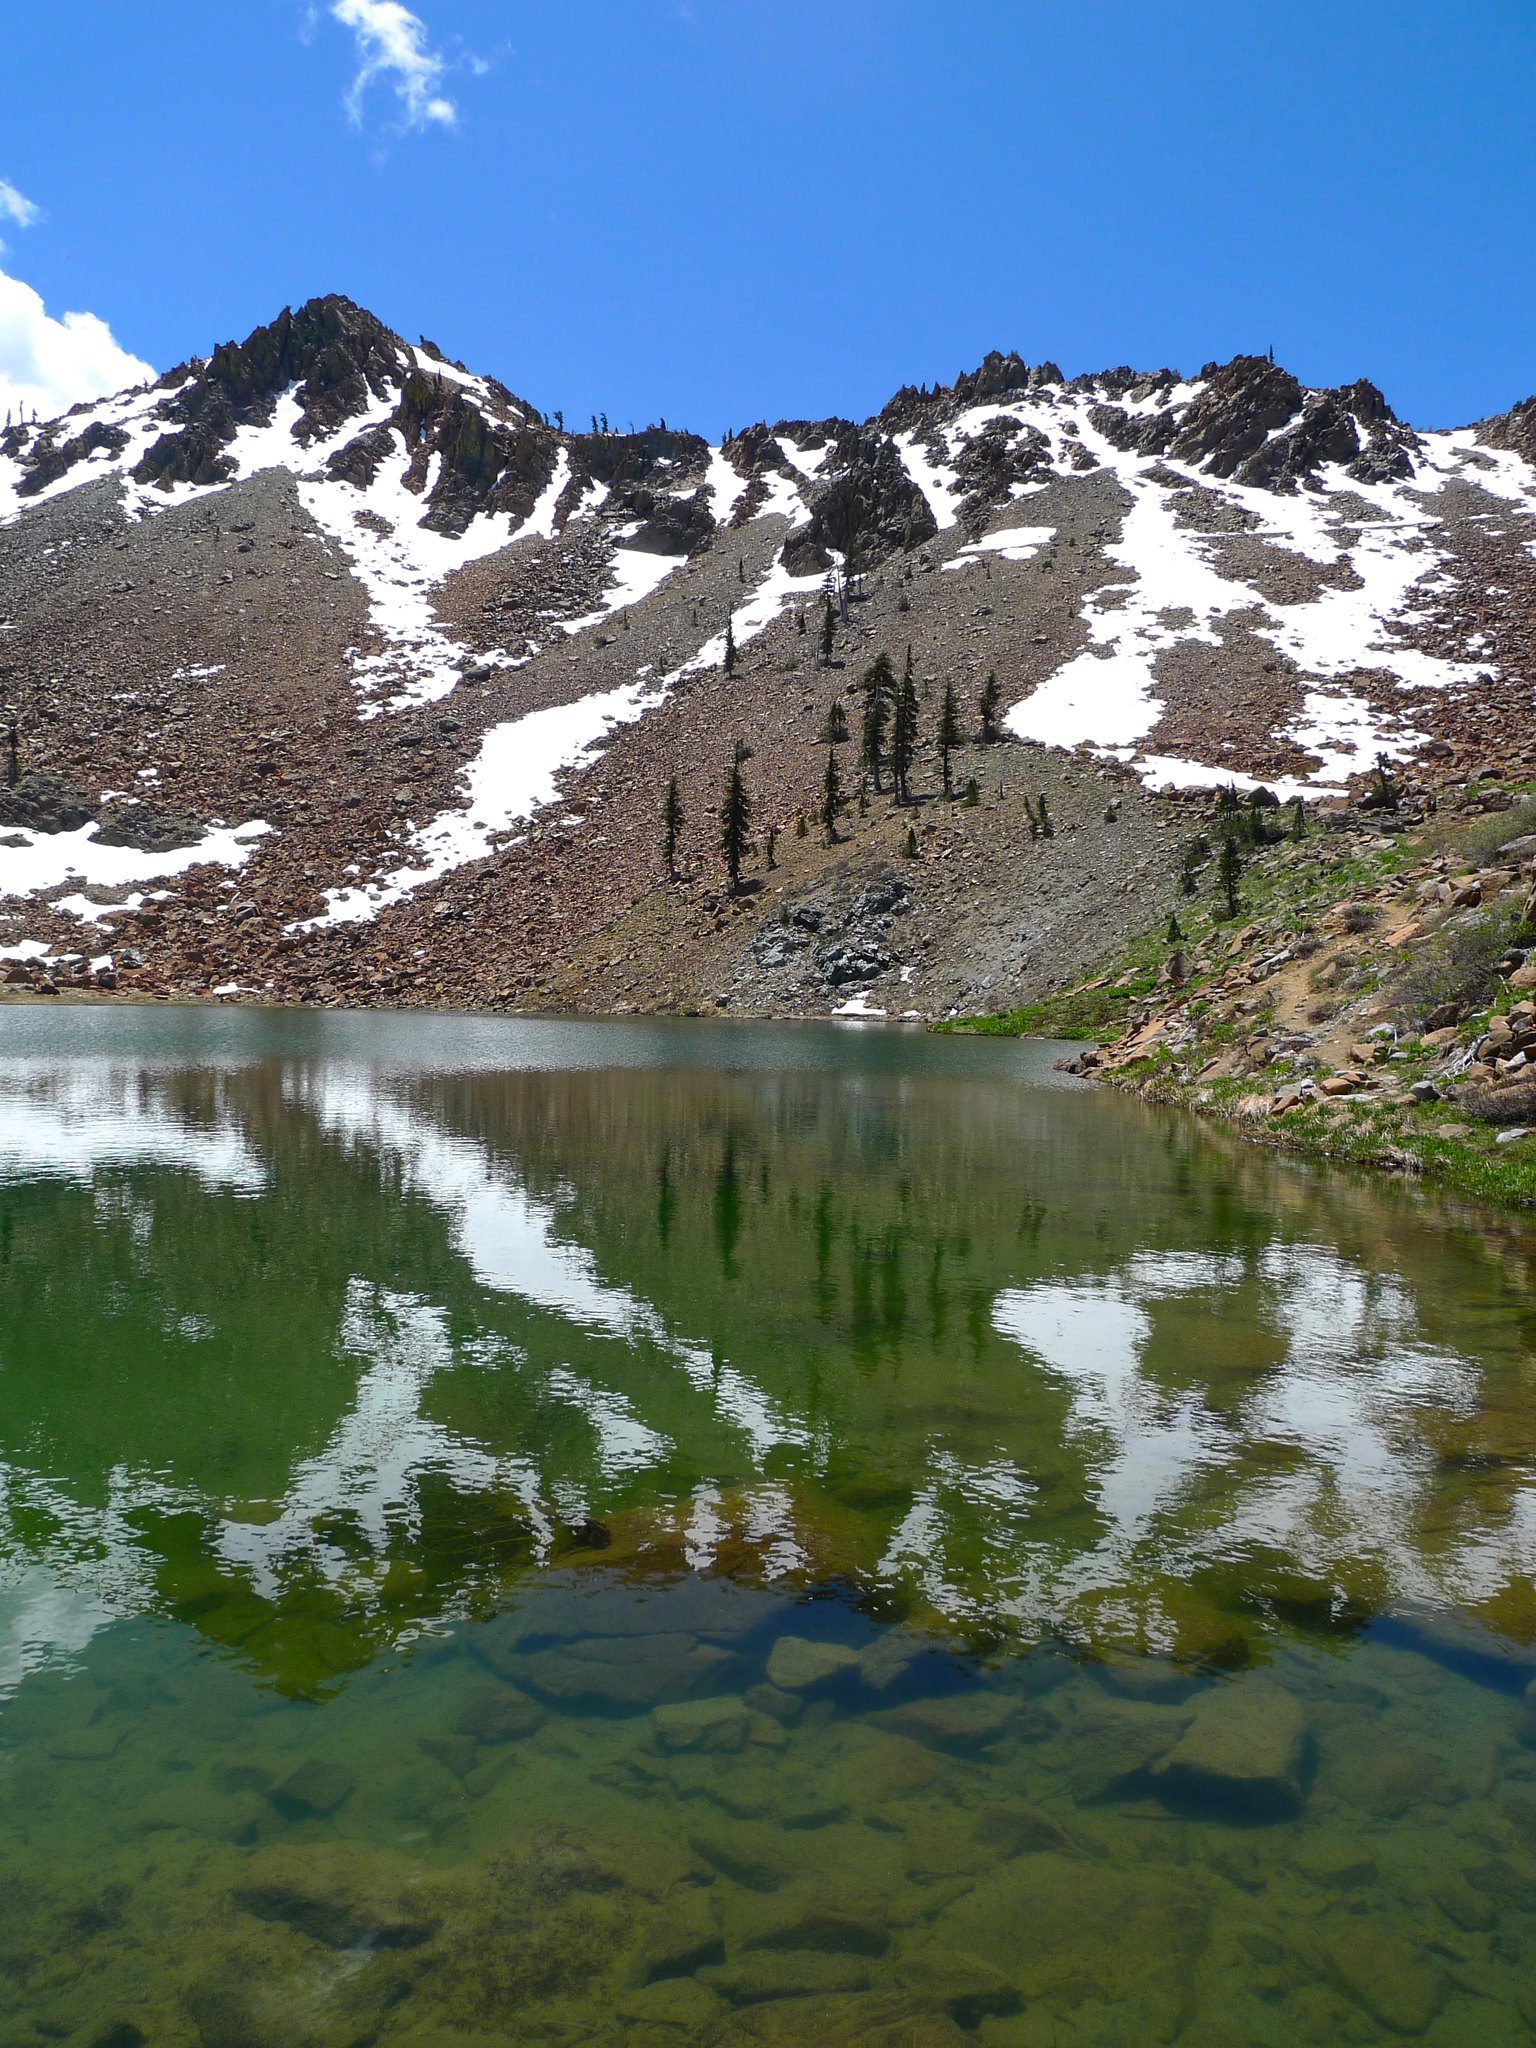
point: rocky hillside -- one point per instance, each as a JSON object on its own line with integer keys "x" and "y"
{"x": 340, "y": 673}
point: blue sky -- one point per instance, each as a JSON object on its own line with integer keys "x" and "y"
{"x": 715, "y": 209}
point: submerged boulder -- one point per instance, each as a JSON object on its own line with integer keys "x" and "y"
{"x": 1244, "y": 1748}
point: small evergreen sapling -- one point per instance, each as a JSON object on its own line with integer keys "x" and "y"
{"x": 828, "y": 629}
{"x": 949, "y": 734}
{"x": 904, "y": 734}
{"x": 991, "y": 697}
{"x": 832, "y": 803}
{"x": 729, "y": 663}
{"x": 835, "y": 726}
{"x": 671, "y": 825}
{"x": 735, "y": 819}
{"x": 1229, "y": 871}
{"x": 879, "y": 689}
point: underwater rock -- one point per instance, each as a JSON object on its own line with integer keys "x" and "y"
{"x": 338, "y": 1899}
{"x": 86, "y": 1745}
{"x": 457, "y": 1754}
{"x": 500, "y": 1713}
{"x": 875, "y": 2020}
{"x": 1335, "y": 1861}
{"x": 317, "y": 1788}
{"x": 1472, "y": 1911}
{"x": 841, "y": 1919}
{"x": 747, "y": 1855}
{"x": 710, "y": 1725}
{"x": 887, "y": 1660}
{"x": 1109, "y": 1740}
{"x": 968, "y": 1985}
{"x": 673, "y": 2002}
{"x": 968, "y": 1720}
{"x": 680, "y": 1940}
{"x": 751, "y": 1979}
{"x": 618, "y": 1671}
{"x": 1388, "y": 1978}
{"x": 1243, "y": 1748}
{"x": 1060, "y": 1922}
{"x": 1143, "y": 1678}
{"x": 1019, "y": 1831}
{"x": 796, "y": 1663}
{"x": 794, "y": 1798}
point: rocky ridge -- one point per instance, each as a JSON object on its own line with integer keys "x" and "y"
{"x": 341, "y": 673}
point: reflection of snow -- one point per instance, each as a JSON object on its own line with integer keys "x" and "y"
{"x": 514, "y": 1244}
{"x": 377, "y": 1455}
{"x": 1345, "y": 1404}
{"x": 72, "y": 1121}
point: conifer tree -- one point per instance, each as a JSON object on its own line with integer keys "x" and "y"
{"x": 730, "y": 647}
{"x": 832, "y": 804}
{"x": 835, "y": 727}
{"x": 911, "y": 842}
{"x": 1047, "y": 829}
{"x": 773, "y": 846}
{"x": 879, "y": 688}
{"x": 1298, "y": 820}
{"x": 904, "y": 734}
{"x": 671, "y": 824}
{"x": 735, "y": 819}
{"x": 991, "y": 697}
{"x": 1174, "y": 935}
{"x": 828, "y": 628}
{"x": 972, "y": 794}
{"x": 1229, "y": 871}
{"x": 950, "y": 736}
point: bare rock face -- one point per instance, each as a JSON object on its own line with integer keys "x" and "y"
{"x": 865, "y": 505}
{"x": 1514, "y": 430}
{"x": 44, "y": 802}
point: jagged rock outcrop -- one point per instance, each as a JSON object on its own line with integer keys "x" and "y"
{"x": 1514, "y": 431}
{"x": 864, "y": 504}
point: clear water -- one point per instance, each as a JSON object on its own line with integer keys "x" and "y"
{"x": 652, "y": 1535}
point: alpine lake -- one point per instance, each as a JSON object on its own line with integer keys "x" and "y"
{"x": 644, "y": 1534}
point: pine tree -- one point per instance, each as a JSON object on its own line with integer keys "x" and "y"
{"x": 1173, "y": 936}
{"x": 971, "y": 796}
{"x": 1229, "y": 871}
{"x": 904, "y": 734}
{"x": 991, "y": 697}
{"x": 832, "y": 804}
{"x": 950, "y": 736}
{"x": 735, "y": 820}
{"x": 671, "y": 824}
{"x": 828, "y": 628}
{"x": 835, "y": 726}
{"x": 1298, "y": 820}
{"x": 879, "y": 688}
{"x": 911, "y": 842}
{"x": 730, "y": 647}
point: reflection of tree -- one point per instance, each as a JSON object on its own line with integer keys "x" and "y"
{"x": 618, "y": 1309}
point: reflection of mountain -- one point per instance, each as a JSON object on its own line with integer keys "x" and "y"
{"x": 313, "y": 1355}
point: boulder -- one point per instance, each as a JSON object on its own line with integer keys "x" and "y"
{"x": 836, "y": 1918}
{"x": 968, "y": 1720}
{"x": 796, "y": 1663}
{"x": 500, "y": 1713}
{"x": 751, "y": 1979}
{"x": 1244, "y": 1749}
{"x": 313, "y": 1791}
{"x": 968, "y": 1985}
{"x": 617, "y": 1671}
{"x": 713, "y": 1724}
{"x": 1389, "y": 1978}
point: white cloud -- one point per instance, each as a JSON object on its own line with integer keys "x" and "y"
{"x": 392, "y": 43}
{"x": 15, "y": 207}
{"x": 48, "y": 365}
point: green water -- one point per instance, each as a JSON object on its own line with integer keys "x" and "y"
{"x": 668, "y": 1535}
